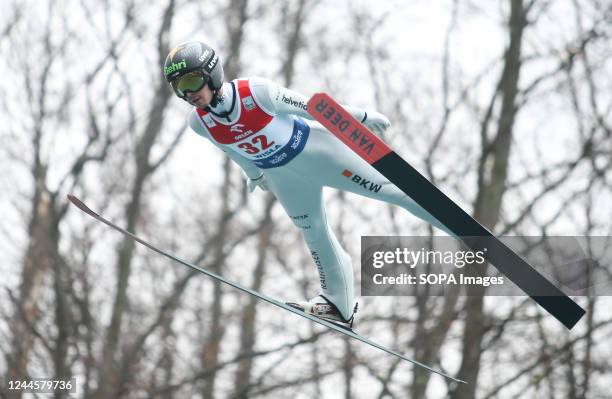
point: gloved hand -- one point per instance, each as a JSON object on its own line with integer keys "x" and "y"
{"x": 376, "y": 122}
{"x": 257, "y": 182}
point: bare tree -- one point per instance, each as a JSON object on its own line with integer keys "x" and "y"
{"x": 127, "y": 323}
{"x": 144, "y": 168}
{"x": 492, "y": 173}
{"x": 43, "y": 260}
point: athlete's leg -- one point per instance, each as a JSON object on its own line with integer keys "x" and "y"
{"x": 302, "y": 199}
{"x": 341, "y": 168}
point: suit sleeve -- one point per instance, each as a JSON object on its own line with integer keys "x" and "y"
{"x": 280, "y": 100}
{"x": 252, "y": 171}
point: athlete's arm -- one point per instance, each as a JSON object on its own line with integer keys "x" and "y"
{"x": 281, "y": 100}
{"x": 251, "y": 171}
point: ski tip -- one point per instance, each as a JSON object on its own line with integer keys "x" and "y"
{"x": 317, "y": 98}
{"x": 321, "y": 94}
{"x": 81, "y": 205}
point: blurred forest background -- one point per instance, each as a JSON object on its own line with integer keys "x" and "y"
{"x": 506, "y": 105}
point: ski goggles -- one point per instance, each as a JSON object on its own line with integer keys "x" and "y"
{"x": 190, "y": 82}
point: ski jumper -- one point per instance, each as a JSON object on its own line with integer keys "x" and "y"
{"x": 269, "y": 131}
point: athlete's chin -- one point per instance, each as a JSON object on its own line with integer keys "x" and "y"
{"x": 200, "y": 103}
{"x": 203, "y": 104}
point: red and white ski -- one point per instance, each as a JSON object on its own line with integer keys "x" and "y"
{"x": 378, "y": 154}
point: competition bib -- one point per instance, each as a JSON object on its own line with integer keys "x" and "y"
{"x": 268, "y": 141}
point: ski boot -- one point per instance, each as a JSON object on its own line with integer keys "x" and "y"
{"x": 320, "y": 307}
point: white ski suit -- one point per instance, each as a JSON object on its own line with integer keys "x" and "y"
{"x": 264, "y": 133}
